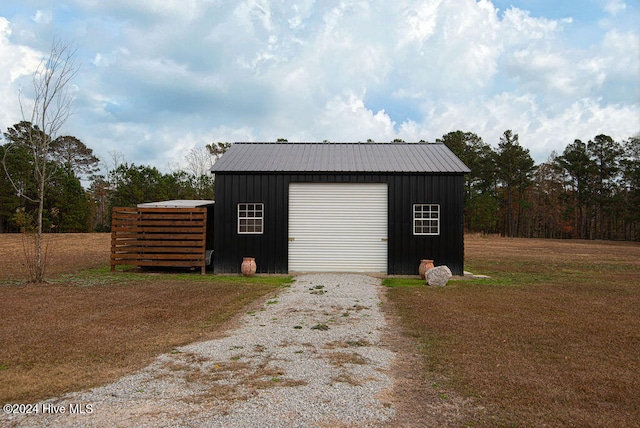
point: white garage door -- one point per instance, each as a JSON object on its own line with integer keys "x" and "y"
{"x": 338, "y": 227}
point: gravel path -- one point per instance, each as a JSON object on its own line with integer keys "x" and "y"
{"x": 311, "y": 356}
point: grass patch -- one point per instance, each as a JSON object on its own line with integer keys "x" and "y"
{"x": 403, "y": 282}
{"x": 551, "y": 339}
{"x": 339, "y": 359}
{"x": 321, "y": 327}
{"x": 91, "y": 327}
{"x": 346, "y": 378}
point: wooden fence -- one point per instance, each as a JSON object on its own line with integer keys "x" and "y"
{"x": 167, "y": 237}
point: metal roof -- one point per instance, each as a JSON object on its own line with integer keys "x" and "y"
{"x": 177, "y": 203}
{"x": 340, "y": 157}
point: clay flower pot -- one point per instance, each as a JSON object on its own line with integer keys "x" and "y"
{"x": 425, "y": 265}
{"x": 248, "y": 266}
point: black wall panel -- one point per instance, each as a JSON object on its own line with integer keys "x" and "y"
{"x": 405, "y": 249}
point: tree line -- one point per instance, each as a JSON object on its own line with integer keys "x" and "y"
{"x": 67, "y": 205}
{"x": 589, "y": 191}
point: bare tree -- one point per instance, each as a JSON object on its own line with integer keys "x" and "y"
{"x": 199, "y": 161}
{"x": 47, "y": 111}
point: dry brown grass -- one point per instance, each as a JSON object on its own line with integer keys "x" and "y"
{"x": 65, "y": 253}
{"x": 89, "y": 328}
{"x": 337, "y": 344}
{"x": 339, "y": 359}
{"x": 553, "y": 339}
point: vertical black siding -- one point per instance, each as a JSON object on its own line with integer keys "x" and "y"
{"x": 210, "y": 226}
{"x": 405, "y": 249}
{"x": 269, "y": 248}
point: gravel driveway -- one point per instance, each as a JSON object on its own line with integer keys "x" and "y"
{"x": 312, "y": 356}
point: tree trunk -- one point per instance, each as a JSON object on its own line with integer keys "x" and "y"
{"x": 39, "y": 273}
{"x": 509, "y": 212}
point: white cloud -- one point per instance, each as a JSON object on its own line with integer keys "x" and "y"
{"x": 420, "y": 22}
{"x": 42, "y": 17}
{"x": 252, "y": 12}
{"x": 540, "y": 131}
{"x": 449, "y": 47}
{"x": 160, "y": 78}
{"x": 614, "y": 7}
{"x": 621, "y": 51}
{"x": 17, "y": 62}
{"x": 166, "y": 9}
{"x": 519, "y": 26}
{"x": 347, "y": 119}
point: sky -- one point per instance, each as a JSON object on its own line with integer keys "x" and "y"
{"x": 159, "y": 79}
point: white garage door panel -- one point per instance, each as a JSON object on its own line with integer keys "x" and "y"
{"x": 338, "y": 227}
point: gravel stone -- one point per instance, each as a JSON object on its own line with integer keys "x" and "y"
{"x": 274, "y": 370}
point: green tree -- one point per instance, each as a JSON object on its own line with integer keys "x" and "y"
{"x": 550, "y": 214}
{"x": 218, "y": 149}
{"x": 607, "y": 154}
{"x": 514, "y": 170}
{"x": 577, "y": 163}
{"x": 179, "y": 185}
{"x": 135, "y": 184}
{"x": 67, "y": 203}
{"x": 15, "y": 180}
{"x": 18, "y": 163}
{"x": 480, "y": 198}
{"x": 65, "y": 206}
{"x": 631, "y": 176}
{"x": 132, "y": 185}
{"x": 98, "y": 197}
{"x": 68, "y": 150}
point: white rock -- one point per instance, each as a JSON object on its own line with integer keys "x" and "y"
{"x": 438, "y": 276}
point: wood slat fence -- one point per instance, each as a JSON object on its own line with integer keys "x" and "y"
{"x": 166, "y": 237}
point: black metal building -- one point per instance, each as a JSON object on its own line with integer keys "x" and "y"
{"x": 350, "y": 207}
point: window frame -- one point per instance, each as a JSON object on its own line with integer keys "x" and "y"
{"x": 244, "y": 210}
{"x": 432, "y": 221}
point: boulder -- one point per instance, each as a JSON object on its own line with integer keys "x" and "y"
{"x": 438, "y": 276}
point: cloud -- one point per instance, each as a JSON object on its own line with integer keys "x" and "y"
{"x": 160, "y": 78}
{"x": 18, "y": 62}
{"x": 347, "y": 119}
{"x": 614, "y": 7}
{"x": 539, "y": 130}
{"x": 42, "y": 17}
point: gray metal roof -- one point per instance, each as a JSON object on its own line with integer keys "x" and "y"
{"x": 340, "y": 157}
{"x": 177, "y": 203}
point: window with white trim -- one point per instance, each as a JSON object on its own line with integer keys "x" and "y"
{"x": 426, "y": 219}
{"x": 250, "y": 218}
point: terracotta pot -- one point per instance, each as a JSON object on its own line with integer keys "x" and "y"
{"x": 425, "y": 265}
{"x": 248, "y": 266}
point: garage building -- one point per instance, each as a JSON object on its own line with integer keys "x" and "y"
{"x": 339, "y": 207}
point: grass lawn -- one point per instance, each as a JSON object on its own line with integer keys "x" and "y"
{"x": 552, "y": 339}
{"x": 88, "y": 327}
